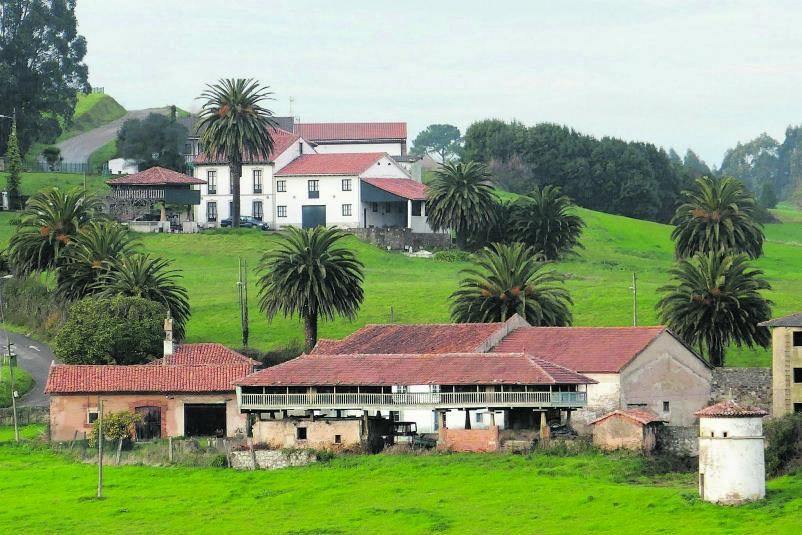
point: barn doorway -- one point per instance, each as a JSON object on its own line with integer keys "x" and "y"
{"x": 313, "y": 216}
{"x": 150, "y": 424}
{"x": 205, "y": 420}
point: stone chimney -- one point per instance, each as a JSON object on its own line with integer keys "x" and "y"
{"x": 168, "y": 339}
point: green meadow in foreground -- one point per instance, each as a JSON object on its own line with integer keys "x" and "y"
{"x": 441, "y": 493}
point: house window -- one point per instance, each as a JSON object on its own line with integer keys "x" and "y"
{"x": 346, "y": 209}
{"x": 346, "y": 184}
{"x": 257, "y": 181}
{"x": 281, "y": 186}
{"x": 281, "y": 211}
{"x": 798, "y": 375}
{"x": 797, "y": 338}
{"x": 416, "y": 207}
{"x": 91, "y": 415}
{"x": 300, "y": 433}
{"x": 338, "y": 439}
{"x": 211, "y": 181}
{"x": 374, "y": 206}
{"x": 478, "y": 418}
{"x": 313, "y": 187}
{"x": 257, "y": 210}
{"x": 797, "y": 407}
{"x": 724, "y": 434}
{"x": 211, "y": 211}
{"x": 666, "y": 406}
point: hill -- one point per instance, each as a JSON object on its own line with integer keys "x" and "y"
{"x": 91, "y": 111}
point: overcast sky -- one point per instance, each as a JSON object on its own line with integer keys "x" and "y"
{"x": 676, "y": 73}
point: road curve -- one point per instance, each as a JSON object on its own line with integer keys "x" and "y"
{"x": 35, "y": 357}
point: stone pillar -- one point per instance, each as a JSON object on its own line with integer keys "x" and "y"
{"x": 492, "y": 418}
{"x": 467, "y": 419}
{"x": 545, "y": 432}
{"x": 409, "y": 214}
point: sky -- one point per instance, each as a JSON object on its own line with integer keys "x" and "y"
{"x": 677, "y": 73}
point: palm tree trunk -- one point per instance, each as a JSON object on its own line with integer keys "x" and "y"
{"x": 236, "y": 173}
{"x": 310, "y": 331}
{"x": 716, "y": 351}
{"x": 461, "y": 240}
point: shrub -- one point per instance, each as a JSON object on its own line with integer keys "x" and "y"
{"x": 452, "y": 255}
{"x": 27, "y": 302}
{"x": 784, "y": 444}
{"x": 111, "y": 330}
{"x": 116, "y": 426}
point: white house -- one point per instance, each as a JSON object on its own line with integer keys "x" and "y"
{"x": 123, "y": 166}
{"x": 390, "y": 138}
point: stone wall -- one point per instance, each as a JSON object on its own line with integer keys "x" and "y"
{"x": 469, "y": 439}
{"x": 746, "y": 385}
{"x": 400, "y": 238}
{"x": 270, "y": 459}
{"x": 25, "y": 415}
{"x": 677, "y": 439}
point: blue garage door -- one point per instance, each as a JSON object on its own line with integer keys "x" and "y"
{"x": 313, "y": 216}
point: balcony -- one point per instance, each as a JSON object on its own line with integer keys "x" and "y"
{"x": 423, "y": 400}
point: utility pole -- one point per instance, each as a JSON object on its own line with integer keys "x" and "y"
{"x": 634, "y": 299}
{"x": 11, "y": 364}
{"x": 243, "y": 300}
{"x": 100, "y": 449}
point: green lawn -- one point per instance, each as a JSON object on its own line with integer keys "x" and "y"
{"x": 102, "y": 155}
{"x": 23, "y": 382}
{"x": 33, "y": 182}
{"x": 26, "y": 432}
{"x": 460, "y": 493}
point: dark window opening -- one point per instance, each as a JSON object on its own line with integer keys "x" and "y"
{"x": 211, "y": 211}
{"x": 797, "y": 407}
{"x": 797, "y": 338}
{"x": 205, "y": 420}
{"x": 257, "y": 181}
{"x": 150, "y": 425}
{"x": 416, "y": 207}
{"x": 91, "y": 416}
{"x": 211, "y": 181}
{"x": 725, "y": 434}
{"x": 347, "y": 210}
{"x": 300, "y": 433}
{"x": 313, "y": 187}
{"x": 374, "y": 206}
{"x": 798, "y": 375}
{"x": 338, "y": 439}
{"x": 666, "y": 406}
{"x": 281, "y": 211}
{"x": 281, "y": 186}
{"x": 258, "y": 211}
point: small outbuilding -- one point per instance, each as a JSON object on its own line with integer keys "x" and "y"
{"x": 634, "y": 429}
{"x": 731, "y": 453}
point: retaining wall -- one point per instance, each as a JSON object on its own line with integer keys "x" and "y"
{"x": 401, "y": 238}
{"x": 270, "y": 459}
{"x": 751, "y": 386}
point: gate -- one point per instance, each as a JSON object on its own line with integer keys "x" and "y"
{"x": 313, "y": 216}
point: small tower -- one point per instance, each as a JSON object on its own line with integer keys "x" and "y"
{"x": 168, "y": 339}
{"x": 731, "y": 464}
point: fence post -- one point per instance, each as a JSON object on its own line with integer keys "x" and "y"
{"x": 170, "y": 449}
{"x": 228, "y": 455}
{"x": 253, "y": 454}
{"x": 119, "y": 450}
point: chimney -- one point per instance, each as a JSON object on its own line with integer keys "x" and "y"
{"x": 168, "y": 339}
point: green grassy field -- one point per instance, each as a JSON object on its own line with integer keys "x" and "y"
{"x": 26, "y": 432}
{"x": 33, "y": 182}
{"x": 102, "y": 155}
{"x": 22, "y": 379}
{"x": 460, "y": 493}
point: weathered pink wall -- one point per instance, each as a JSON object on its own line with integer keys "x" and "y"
{"x": 469, "y": 439}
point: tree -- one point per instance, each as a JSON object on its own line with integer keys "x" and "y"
{"x": 310, "y": 275}
{"x": 140, "y": 275}
{"x": 717, "y": 216}
{"x": 14, "y": 160}
{"x": 511, "y": 279}
{"x": 714, "y": 300}
{"x": 441, "y": 139}
{"x": 87, "y": 258}
{"x": 111, "y": 330}
{"x": 545, "y": 222}
{"x": 155, "y": 135}
{"x": 41, "y": 67}
{"x": 460, "y": 198}
{"x": 768, "y": 197}
{"x": 116, "y": 426}
{"x": 52, "y": 156}
{"x": 238, "y": 128}
{"x": 50, "y": 221}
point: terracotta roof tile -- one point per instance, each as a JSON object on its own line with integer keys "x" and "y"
{"x": 641, "y": 416}
{"x": 155, "y": 176}
{"x": 415, "y": 369}
{"x": 403, "y": 187}
{"x": 282, "y": 140}
{"x": 331, "y": 164}
{"x": 351, "y": 131}
{"x": 731, "y": 409}
{"x": 204, "y": 354}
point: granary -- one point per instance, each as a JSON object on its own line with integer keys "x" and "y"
{"x": 631, "y": 429}
{"x": 324, "y": 400}
{"x": 732, "y": 468}
{"x": 188, "y": 392}
{"x": 786, "y": 364}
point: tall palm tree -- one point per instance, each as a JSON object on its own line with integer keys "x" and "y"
{"x": 309, "y": 274}
{"x": 718, "y": 215}
{"x": 238, "y": 127}
{"x": 544, "y": 221}
{"x": 91, "y": 253}
{"x": 461, "y": 198}
{"x": 714, "y": 300}
{"x": 140, "y": 275}
{"x": 510, "y": 279}
{"x": 47, "y": 225}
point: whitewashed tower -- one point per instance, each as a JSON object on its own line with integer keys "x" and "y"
{"x": 731, "y": 461}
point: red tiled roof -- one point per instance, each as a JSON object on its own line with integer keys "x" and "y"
{"x": 641, "y": 416}
{"x": 351, "y": 131}
{"x": 415, "y": 369}
{"x": 331, "y": 164}
{"x": 585, "y": 349}
{"x": 403, "y": 187}
{"x": 418, "y": 338}
{"x": 731, "y": 409}
{"x": 155, "y": 176}
{"x": 282, "y": 140}
{"x": 66, "y": 379}
{"x": 204, "y": 354}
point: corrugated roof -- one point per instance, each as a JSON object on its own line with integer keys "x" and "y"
{"x": 321, "y": 132}
{"x": 731, "y": 409}
{"x": 282, "y": 140}
{"x": 155, "y": 176}
{"x": 331, "y": 164}
{"x": 641, "y": 416}
{"x": 415, "y": 369}
{"x": 403, "y": 187}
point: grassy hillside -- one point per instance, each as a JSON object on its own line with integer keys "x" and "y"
{"x": 22, "y": 381}
{"x": 33, "y": 182}
{"x": 91, "y": 111}
{"x": 102, "y": 155}
{"x": 459, "y": 493}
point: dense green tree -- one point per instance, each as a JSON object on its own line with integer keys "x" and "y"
{"x": 52, "y": 155}
{"x": 91, "y": 253}
{"x": 507, "y": 280}
{"x": 768, "y": 197}
{"x": 754, "y": 163}
{"x": 718, "y": 216}
{"x": 47, "y": 225}
{"x": 140, "y": 275}
{"x": 441, "y": 139}
{"x": 14, "y": 160}
{"x": 309, "y": 274}
{"x": 156, "y": 135}
{"x": 460, "y": 198}
{"x": 545, "y": 221}
{"x": 714, "y": 300}
{"x": 41, "y": 68}
{"x": 111, "y": 330}
{"x": 237, "y": 127}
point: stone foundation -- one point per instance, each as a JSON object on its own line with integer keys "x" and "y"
{"x": 401, "y": 238}
{"x": 270, "y": 459}
{"x": 679, "y": 440}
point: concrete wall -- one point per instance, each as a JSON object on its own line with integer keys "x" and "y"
{"x": 680, "y": 440}
{"x": 68, "y": 413}
{"x": 223, "y": 196}
{"x": 731, "y": 460}
{"x": 620, "y": 432}
{"x": 603, "y": 397}
{"x": 320, "y": 434}
{"x": 469, "y": 439}
{"x": 398, "y": 238}
{"x": 751, "y": 386}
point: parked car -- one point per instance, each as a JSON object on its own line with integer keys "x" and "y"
{"x": 246, "y": 221}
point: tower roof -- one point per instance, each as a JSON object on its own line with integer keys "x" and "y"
{"x": 731, "y": 409}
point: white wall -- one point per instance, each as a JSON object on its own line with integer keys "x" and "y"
{"x": 292, "y": 152}
{"x": 385, "y": 167}
{"x": 390, "y": 148}
{"x": 731, "y": 468}
{"x": 223, "y": 195}
{"x": 331, "y": 196}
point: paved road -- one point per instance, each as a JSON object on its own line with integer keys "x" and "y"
{"x": 80, "y": 147}
{"x": 34, "y": 357}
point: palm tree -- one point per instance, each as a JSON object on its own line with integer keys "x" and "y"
{"x": 47, "y": 225}
{"x": 717, "y": 216}
{"x": 89, "y": 256}
{"x": 544, "y": 221}
{"x": 460, "y": 198}
{"x": 310, "y": 275}
{"x": 510, "y": 279}
{"x": 238, "y": 127}
{"x": 714, "y": 300}
{"x": 139, "y": 275}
